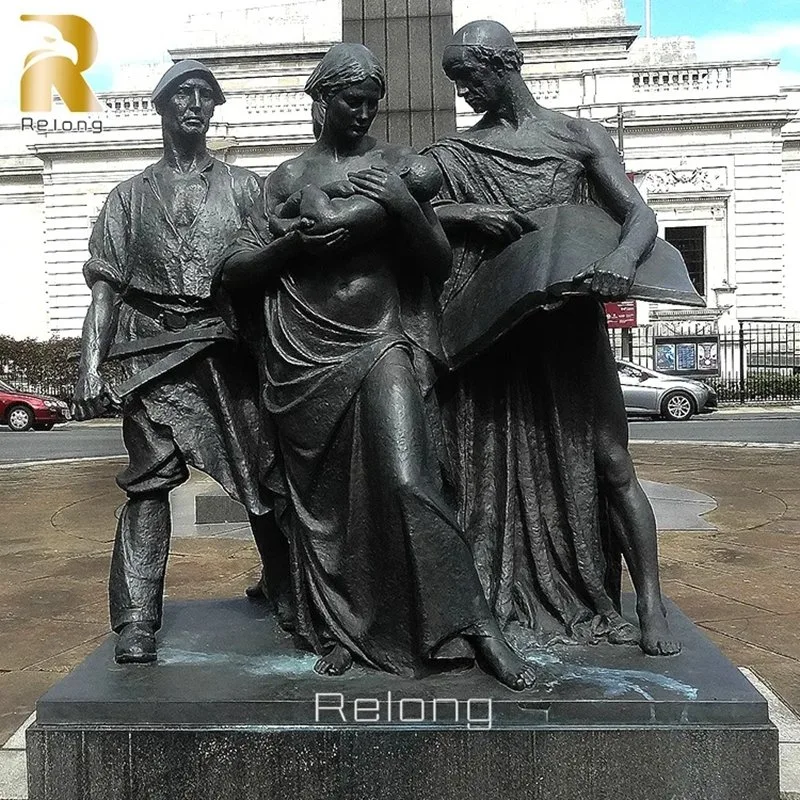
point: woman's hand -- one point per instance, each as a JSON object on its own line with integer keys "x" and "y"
{"x": 384, "y": 187}
{"x": 321, "y": 243}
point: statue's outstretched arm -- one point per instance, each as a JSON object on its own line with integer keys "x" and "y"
{"x": 498, "y": 222}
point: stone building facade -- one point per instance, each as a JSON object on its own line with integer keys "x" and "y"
{"x": 714, "y": 146}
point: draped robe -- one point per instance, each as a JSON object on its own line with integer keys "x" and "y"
{"x": 520, "y": 417}
{"x": 378, "y": 562}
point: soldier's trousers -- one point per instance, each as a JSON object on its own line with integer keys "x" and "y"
{"x": 141, "y": 546}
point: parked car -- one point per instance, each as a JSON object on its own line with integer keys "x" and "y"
{"x": 22, "y": 411}
{"x": 651, "y": 393}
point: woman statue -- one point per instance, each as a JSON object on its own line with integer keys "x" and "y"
{"x": 345, "y": 245}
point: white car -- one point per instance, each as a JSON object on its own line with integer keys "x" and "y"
{"x": 651, "y": 393}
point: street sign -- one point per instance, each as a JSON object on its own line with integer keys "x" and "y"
{"x": 621, "y": 314}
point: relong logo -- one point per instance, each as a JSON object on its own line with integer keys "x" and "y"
{"x": 60, "y": 65}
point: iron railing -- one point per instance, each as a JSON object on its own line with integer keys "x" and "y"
{"x": 759, "y": 360}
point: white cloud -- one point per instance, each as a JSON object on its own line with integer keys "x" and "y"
{"x": 769, "y": 40}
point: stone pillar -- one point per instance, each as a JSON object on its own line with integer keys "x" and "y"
{"x": 408, "y": 36}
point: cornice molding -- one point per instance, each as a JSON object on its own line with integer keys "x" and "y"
{"x": 677, "y": 198}
{"x": 246, "y": 53}
{"x": 21, "y": 171}
{"x": 714, "y": 121}
{"x": 615, "y": 33}
{"x": 35, "y": 195}
{"x": 128, "y": 147}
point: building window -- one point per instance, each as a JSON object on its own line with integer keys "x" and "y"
{"x": 691, "y": 243}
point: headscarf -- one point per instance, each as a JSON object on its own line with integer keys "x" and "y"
{"x": 344, "y": 65}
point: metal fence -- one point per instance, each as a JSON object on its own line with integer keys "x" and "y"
{"x": 21, "y": 381}
{"x": 759, "y": 360}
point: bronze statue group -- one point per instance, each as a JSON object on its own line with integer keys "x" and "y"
{"x": 283, "y": 337}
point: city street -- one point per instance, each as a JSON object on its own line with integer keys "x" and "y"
{"x": 73, "y": 440}
{"x": 104, "y": 438}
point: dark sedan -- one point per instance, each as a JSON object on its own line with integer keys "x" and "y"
{"x": 22, "y": 411}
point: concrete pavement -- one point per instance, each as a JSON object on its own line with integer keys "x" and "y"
{"x": 56, "y": 531}
{"x": 740, "y": 583}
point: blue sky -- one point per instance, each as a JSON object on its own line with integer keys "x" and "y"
{"x": 729, "y": 28}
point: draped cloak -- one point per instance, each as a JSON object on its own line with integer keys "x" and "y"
{"x": 520, "y": 418}
{"x": 378, "y": 562}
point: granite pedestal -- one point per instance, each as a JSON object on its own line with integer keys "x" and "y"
{"x": 232, "y": 710}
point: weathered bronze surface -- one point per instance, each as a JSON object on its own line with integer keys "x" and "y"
{"x": 407, "y": 543}
{"x": 536, "y": 424}
{"x": 189, "y": 392}
{"x": 380, "y": 569}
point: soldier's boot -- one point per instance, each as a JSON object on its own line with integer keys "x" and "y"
{"x": 136, "y": 580}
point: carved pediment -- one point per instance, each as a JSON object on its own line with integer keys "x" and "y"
{"x": 672, "y": 181}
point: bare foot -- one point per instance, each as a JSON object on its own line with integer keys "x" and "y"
{"x": 657, "y": 639}
{"x": 335, "y": 662}
{"x": 497, "y": 658}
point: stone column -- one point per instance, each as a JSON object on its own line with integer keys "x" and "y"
{"x": 408, "y": 36}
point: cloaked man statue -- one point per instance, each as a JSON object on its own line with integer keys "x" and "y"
{"x": 542, "y": 411}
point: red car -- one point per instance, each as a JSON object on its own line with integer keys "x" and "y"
{"x": 22, "y": 411}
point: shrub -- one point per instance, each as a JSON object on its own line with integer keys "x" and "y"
{"x": 45, "y": 367}
{"x": 769, "y": 385}
{"x": 48, "y": 367}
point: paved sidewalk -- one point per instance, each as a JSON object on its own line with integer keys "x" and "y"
{"x": 740, "y": 583}
{"x": 752, "y": 408}
{"x": 56, "y": 531}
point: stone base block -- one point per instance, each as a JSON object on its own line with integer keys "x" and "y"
{"x": 580, "y": 764}
{"x": 214, "y": 509}
{"x": 232, "y": 711}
